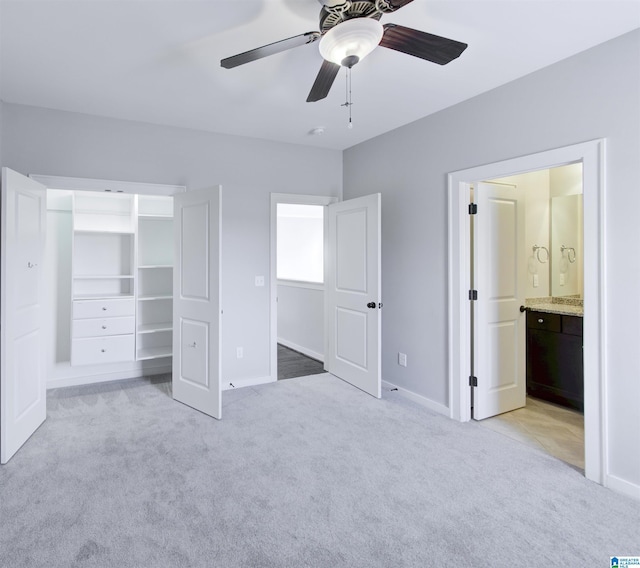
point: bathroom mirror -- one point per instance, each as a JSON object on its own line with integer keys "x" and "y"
{"x": 566, "y": 246}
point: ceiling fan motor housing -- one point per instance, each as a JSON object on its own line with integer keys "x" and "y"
{"x": 334, "y": 12}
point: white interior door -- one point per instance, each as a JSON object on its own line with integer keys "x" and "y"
{"x": 500, "y": 272}
{"x": 196, "y": 301}
{"x": 23, "y": 400}
{"x": 353, "y": 292}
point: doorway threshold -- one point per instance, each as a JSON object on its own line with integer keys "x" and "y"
{"x": 556, "y": 430}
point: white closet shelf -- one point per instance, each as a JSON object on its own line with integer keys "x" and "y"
{"x": 155, "y": 327}
{"x": 156, "y": 297}
{"x": 155, "y": 266}
{"x": 101, "y": 296}
{"x": 102, "y": 232}
{"x": 154, "y": 353}
{"x": 102, "y": 276}
{"x": 96, "y": 211}
{"x": 153, "y": 216}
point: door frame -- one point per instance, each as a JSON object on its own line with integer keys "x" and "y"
{"x": 296, "y": 199}
{"x": 592, "y": 156}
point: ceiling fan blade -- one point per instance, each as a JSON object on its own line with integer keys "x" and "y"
{"x": 323, "y": 82}
{"x": 436, "y": 49}
{"x": 270, "y": 49}
{"x": 397, "y": 4}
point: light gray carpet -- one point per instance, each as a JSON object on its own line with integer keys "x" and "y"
{"x": 306, "y": 472}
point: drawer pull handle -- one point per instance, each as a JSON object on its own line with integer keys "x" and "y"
{"x": 104, "y": 327}
{"x": 104, "y": 309}
{"x": 192, "y": 344}
{"x": 540, "y": 320}
{"x": 103, "y": 350}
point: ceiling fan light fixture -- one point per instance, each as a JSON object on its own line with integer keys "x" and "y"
{"x": 351, "y": 41}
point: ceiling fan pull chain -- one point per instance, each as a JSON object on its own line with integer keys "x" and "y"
{"x": 348, "y": 102}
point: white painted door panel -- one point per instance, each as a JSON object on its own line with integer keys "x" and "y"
{"x": 352, "y": 285}
{"x": 499, "y": 331}
{"x": 196, "y": 301}
{"x": 23, "y": 402}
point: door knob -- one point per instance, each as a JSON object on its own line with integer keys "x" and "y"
{"x": 371, "y": 305}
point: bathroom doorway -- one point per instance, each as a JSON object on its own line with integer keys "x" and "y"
{"x": 590, "y": 155}
{"x": 551, "y": 356}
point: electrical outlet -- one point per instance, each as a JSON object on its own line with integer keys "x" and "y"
{"x": 562, "y": 279}
{"x": 239, "y": 353}
{"x": 402, "y": 359}
{"x": 536, "y": 281}
{"x": 259, "y": 280}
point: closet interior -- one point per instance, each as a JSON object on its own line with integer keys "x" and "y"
{"x": 121, "y": 281}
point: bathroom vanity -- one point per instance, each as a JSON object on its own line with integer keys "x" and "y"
{"x": 555, "y": 368}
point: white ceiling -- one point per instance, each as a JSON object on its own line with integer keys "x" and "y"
{"x": 158, "y": 61}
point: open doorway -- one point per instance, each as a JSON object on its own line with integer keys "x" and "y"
{"x": 546, "y": 332}
{"x": 591, "y": 156}
{"x": 297, "y": 284}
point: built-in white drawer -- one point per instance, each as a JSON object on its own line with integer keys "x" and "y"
{"x": 103, "y": 308}
{"x": 103, "y": 326}
{"x": 98, "y": 350}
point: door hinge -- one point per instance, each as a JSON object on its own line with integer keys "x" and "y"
{"x": 473, "y": 381}
{"x": 473, "y": 294}
{"x": 473, "y": 208}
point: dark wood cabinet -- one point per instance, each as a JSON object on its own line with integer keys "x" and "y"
{"x": 555, "y": 368}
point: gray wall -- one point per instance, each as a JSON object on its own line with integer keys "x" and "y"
{"x": 1, "y": 129}
{"x": 591, "y": 95}
{"x": 301, "y": 319}
{"x": 42, "y": 141}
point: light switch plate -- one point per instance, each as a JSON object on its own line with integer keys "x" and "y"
{"x": 259, "y": 280}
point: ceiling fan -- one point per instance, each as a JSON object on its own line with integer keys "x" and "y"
{"x": 349, "y": 31}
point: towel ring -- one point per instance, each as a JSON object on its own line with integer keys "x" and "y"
{"x": 571, "y": 253}
{"x": 545, "y": 257}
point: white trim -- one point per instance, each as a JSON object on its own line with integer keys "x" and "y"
{"x": 106, "y": 377}
{"x": 417, "y": 398}
{"x": 591, "y": 154}
{"x": 113, "y": 186}
{"x": 300, "y": 284}
{"x": 623, "y": 486}
{"x": 241, "y": 383}
{"x": 273, "y": 281}
{"x": 300, "y": 349}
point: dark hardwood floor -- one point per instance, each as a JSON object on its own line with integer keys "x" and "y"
{"x": 292, "y": 364}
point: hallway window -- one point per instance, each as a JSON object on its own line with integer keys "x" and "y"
{"x": 300, "y": 237}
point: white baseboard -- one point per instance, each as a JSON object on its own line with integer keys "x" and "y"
{"x": 240, "y": 383}
{"x": 418, "y": 398}
{"x": 300, "y": 349}
{"x": 104, "y": 378}
{"x": 622, "y": 486}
